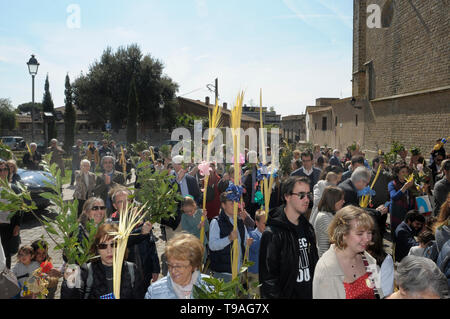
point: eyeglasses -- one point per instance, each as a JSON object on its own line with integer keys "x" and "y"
{"x": 302, "y": 195}
{"x": 98, "y": 208}
{"x": 4, "y": 169}
{"x": 176, "y": 267}
{"x": 104, "y": 246}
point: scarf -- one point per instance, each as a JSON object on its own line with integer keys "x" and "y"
{"x": 184, "y": 292}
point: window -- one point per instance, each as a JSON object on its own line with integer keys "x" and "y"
{"x": 356, "y": 120}
{"x": 335, "y": 121}
{"x": 315, "y": 126}
{"x": 324, "y": 123}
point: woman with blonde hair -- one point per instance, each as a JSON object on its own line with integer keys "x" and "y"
{"x": 346, "y": 270}
{"x": 184, "y": 259}
{"x": 13, "y": 176}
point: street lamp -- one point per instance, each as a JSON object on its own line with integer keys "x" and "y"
{"x": 33, "y": 66}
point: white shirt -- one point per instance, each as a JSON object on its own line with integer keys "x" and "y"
{"x": 86, "y": 178}
{"x": 308, "y": 172}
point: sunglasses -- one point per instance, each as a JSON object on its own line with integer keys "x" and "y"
{"x": 105, "y": 246}
{"x": 302, "y": 195}
{"x": 98, "y": 208}
{"x": 4, "y": 169}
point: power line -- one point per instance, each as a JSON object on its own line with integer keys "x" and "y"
{"x": 193, "y": 91}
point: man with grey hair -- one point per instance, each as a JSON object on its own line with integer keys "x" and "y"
{"x": 31, "y": 160}
{"x": 108, "y": 180}
{"x": 357, "y": 182}
{"x": 419, "y": 278}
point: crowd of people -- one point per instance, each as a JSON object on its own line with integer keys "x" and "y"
{"x": 315, "y": 240}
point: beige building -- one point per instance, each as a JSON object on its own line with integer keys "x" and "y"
{"x": 293, "y": 128}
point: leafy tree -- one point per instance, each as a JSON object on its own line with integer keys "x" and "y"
{"x": 69, "y": 117}
{"x": 48, "y": 106}
{"x": 188, "y": 120}
{"x": 26, "y": 107}
{"x": 7, "y": 115}
{"x": 104, "y": 91}
{"x": 133, "y": 109}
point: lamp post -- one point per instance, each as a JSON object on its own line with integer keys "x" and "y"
{"x": 33, "y": 66}
{"x": 161, "y": 107}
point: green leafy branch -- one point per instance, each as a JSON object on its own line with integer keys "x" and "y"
{"x": 159, "y": 190}
{"x": 218, "y": 289}
{"x": 65, "y": 225}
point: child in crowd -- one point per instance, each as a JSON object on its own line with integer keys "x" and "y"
{"x": 253, "y": 271}
{"x": 332, "y": 179}
{"x": 24, "y": 268}
{"x": 192, "y": 216}
{"x": 425, "y": 238}
{"x": 40, "y": 249}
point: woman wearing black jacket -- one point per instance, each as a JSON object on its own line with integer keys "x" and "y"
{"x": 97, "y": 276}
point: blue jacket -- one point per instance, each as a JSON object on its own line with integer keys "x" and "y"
{"x": 163, "y": 288}
{"x": 335, "y": 161}
{"x": 254, "y": 251}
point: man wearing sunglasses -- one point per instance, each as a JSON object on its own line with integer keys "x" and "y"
{"x": 288, "y": 252}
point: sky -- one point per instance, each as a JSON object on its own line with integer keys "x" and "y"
{"x": 294, "y": 50}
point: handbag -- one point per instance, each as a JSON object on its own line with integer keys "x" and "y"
{"x": 9, "y": 287}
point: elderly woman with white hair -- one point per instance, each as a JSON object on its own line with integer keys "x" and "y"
{"x": 419, "y": 278}
{"x": 85, "y": 182}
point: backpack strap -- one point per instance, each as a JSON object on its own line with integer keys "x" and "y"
{"x": 89, "y": 281}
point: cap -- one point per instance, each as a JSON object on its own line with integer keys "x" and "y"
{"x": 178, "y": 159}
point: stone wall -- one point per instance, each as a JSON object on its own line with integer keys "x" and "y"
{"x": 414, "y": 121}
{"x": 413, "y": 53}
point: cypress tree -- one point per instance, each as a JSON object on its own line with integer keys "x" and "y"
{"x": 48, "y": 106}
{"x": 133, "y": 107}
{"x": 69, "y": 117}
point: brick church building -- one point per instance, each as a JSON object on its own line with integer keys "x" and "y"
{"x": 401, "y": 80}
